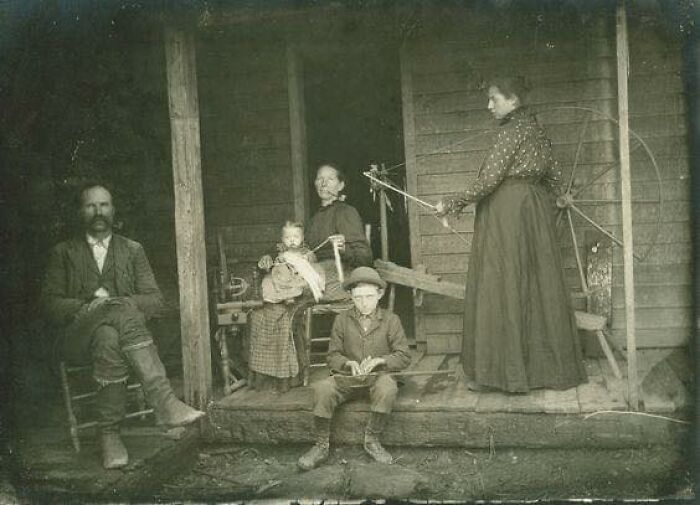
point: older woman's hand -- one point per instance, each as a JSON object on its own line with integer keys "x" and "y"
{"x": 338, "y": 240}
{"x": 265, "y": 263}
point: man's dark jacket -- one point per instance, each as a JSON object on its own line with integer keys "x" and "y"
{"x": 72, "y": 277}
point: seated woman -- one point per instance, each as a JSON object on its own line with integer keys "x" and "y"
{"x": 273, "y": 356}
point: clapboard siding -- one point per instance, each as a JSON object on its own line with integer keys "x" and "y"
{"x": 246, "y": 147}
{"x": 573, "y": 85}
{"x": 662, "y": 287}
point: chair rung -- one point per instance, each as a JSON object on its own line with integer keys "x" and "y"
{"x": 321, "y": 339}
{"x": 317, "y": 365}
{"x": 92, "y": 394}
{"x": 130, "y": 415}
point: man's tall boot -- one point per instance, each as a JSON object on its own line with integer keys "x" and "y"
{"x": 319, "y": 452}
{"x": 373, "y": 431}
{"x": 111, "y": 408}
{"x": 169, "y": 411}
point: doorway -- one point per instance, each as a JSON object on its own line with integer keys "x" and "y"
{"x": 353, "y": 118}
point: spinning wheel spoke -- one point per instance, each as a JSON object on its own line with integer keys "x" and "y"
{"x": 578, "y": 153}
{"x": 612, "y": 200}
{"x": 599, "y": 228}
{"x": 594, "y": 179}
{"x": 595, "y": 199}
{"x": 579, "y": 263}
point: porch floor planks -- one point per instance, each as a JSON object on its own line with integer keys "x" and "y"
{"x": 616, "y": 388}
{"x": 440, "y": 390}
{"x": 428, "y": 393}
{"x": 593, "y": 395}
{"x": 413, "y": 392}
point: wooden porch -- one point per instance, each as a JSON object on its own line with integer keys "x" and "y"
{"x": 440, "y": 410}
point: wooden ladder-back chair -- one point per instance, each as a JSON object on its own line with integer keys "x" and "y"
{"x": 309, "y": 340}
{"x": 77, "y": 398}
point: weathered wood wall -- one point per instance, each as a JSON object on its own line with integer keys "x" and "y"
{"x": 658, "y": 113}
{"x": 246, "y": 153}
{"x": 570, "y": 64}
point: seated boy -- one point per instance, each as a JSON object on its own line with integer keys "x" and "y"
{"x": 293, "y": 269}
{"x": 365, "y": 339}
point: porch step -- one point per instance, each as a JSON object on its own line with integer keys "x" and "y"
{"x": 441, "y": 411}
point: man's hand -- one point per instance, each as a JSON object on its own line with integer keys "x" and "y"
{"x": 354, "y": 367}
{"x": 97, "y": 302}
{"x": 369, "y": 363}
{"x": 265, "y": 263}
{"x": 101, "y": 293}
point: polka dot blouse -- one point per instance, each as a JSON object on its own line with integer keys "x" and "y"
{"x": 522, "y": 151}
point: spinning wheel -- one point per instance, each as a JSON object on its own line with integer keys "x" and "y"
{"x": 590, "y": 200}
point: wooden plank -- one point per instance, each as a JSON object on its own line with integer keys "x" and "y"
{"x": 448, "y": 244}
{"x": 263, "y": 233}
{"x": 429, "y": 225}
{"x": 491, "y": 402}
{"x": 616, "y": 388}
{"x": 407, "y": 277}
{"x": 409, "y": 136}
{"x": 443, "y": 323}
{"x": 656, "y": 318}
{"x": 443, "y": 343}
{"x": 593, "y": 395}
{"x": 657, "y": 337}
{"x": 189, "y": 215}
{"x": 561, "y": 402}
{"x": 551, "y": 94}
{"x": 412, "y": 391}
{"x": 297, "y": 123}
{"x": 656, "y": 296}
{"x": 446, "y": 263}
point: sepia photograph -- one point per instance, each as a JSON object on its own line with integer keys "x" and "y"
{"x": 349, "y": 251}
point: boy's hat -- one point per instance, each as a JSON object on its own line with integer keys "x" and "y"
{"x": 365, "y": 275}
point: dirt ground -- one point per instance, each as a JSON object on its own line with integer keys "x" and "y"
{"x": 259, "y": 472}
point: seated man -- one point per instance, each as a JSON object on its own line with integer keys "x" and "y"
{"x": 364, "y": 339}
{"x": 98, "y": 291}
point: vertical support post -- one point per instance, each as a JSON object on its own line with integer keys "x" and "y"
{"x": 383, "y": 224}
{"x": 384, "y": 228}
{"x": 626, "y": 193}
{"x": 409, "y": 136}
{"x": 297, "y": 129}
{"x": 189, "y": 214}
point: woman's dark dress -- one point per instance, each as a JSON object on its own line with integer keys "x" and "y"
{"x": 519, "y": 327}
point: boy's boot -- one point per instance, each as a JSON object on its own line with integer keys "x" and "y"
{"x": 319, "y": 452}
{"x": 111, "y": 406}
{"x": 373, "y": 431}
{"x": 169, "y": 411}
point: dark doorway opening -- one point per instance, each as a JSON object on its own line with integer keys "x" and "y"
{"x": 353, "y": 118}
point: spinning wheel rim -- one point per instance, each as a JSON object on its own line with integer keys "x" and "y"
{"x": 568, "y": 202}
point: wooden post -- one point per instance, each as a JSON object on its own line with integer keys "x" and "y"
{"x": 409, "y": 137}
{"x": 189, "y": 214}
{"x": 626, "y": 190}
{"x": 383, "y": 223}
{"x": 297, "y": 129}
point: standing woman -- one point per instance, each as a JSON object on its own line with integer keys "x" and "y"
{"x": 519, "y": 326}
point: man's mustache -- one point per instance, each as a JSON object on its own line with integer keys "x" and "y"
{"x": 99, "y": 218}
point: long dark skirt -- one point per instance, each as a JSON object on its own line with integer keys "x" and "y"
{"x": 519, "y": 325}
